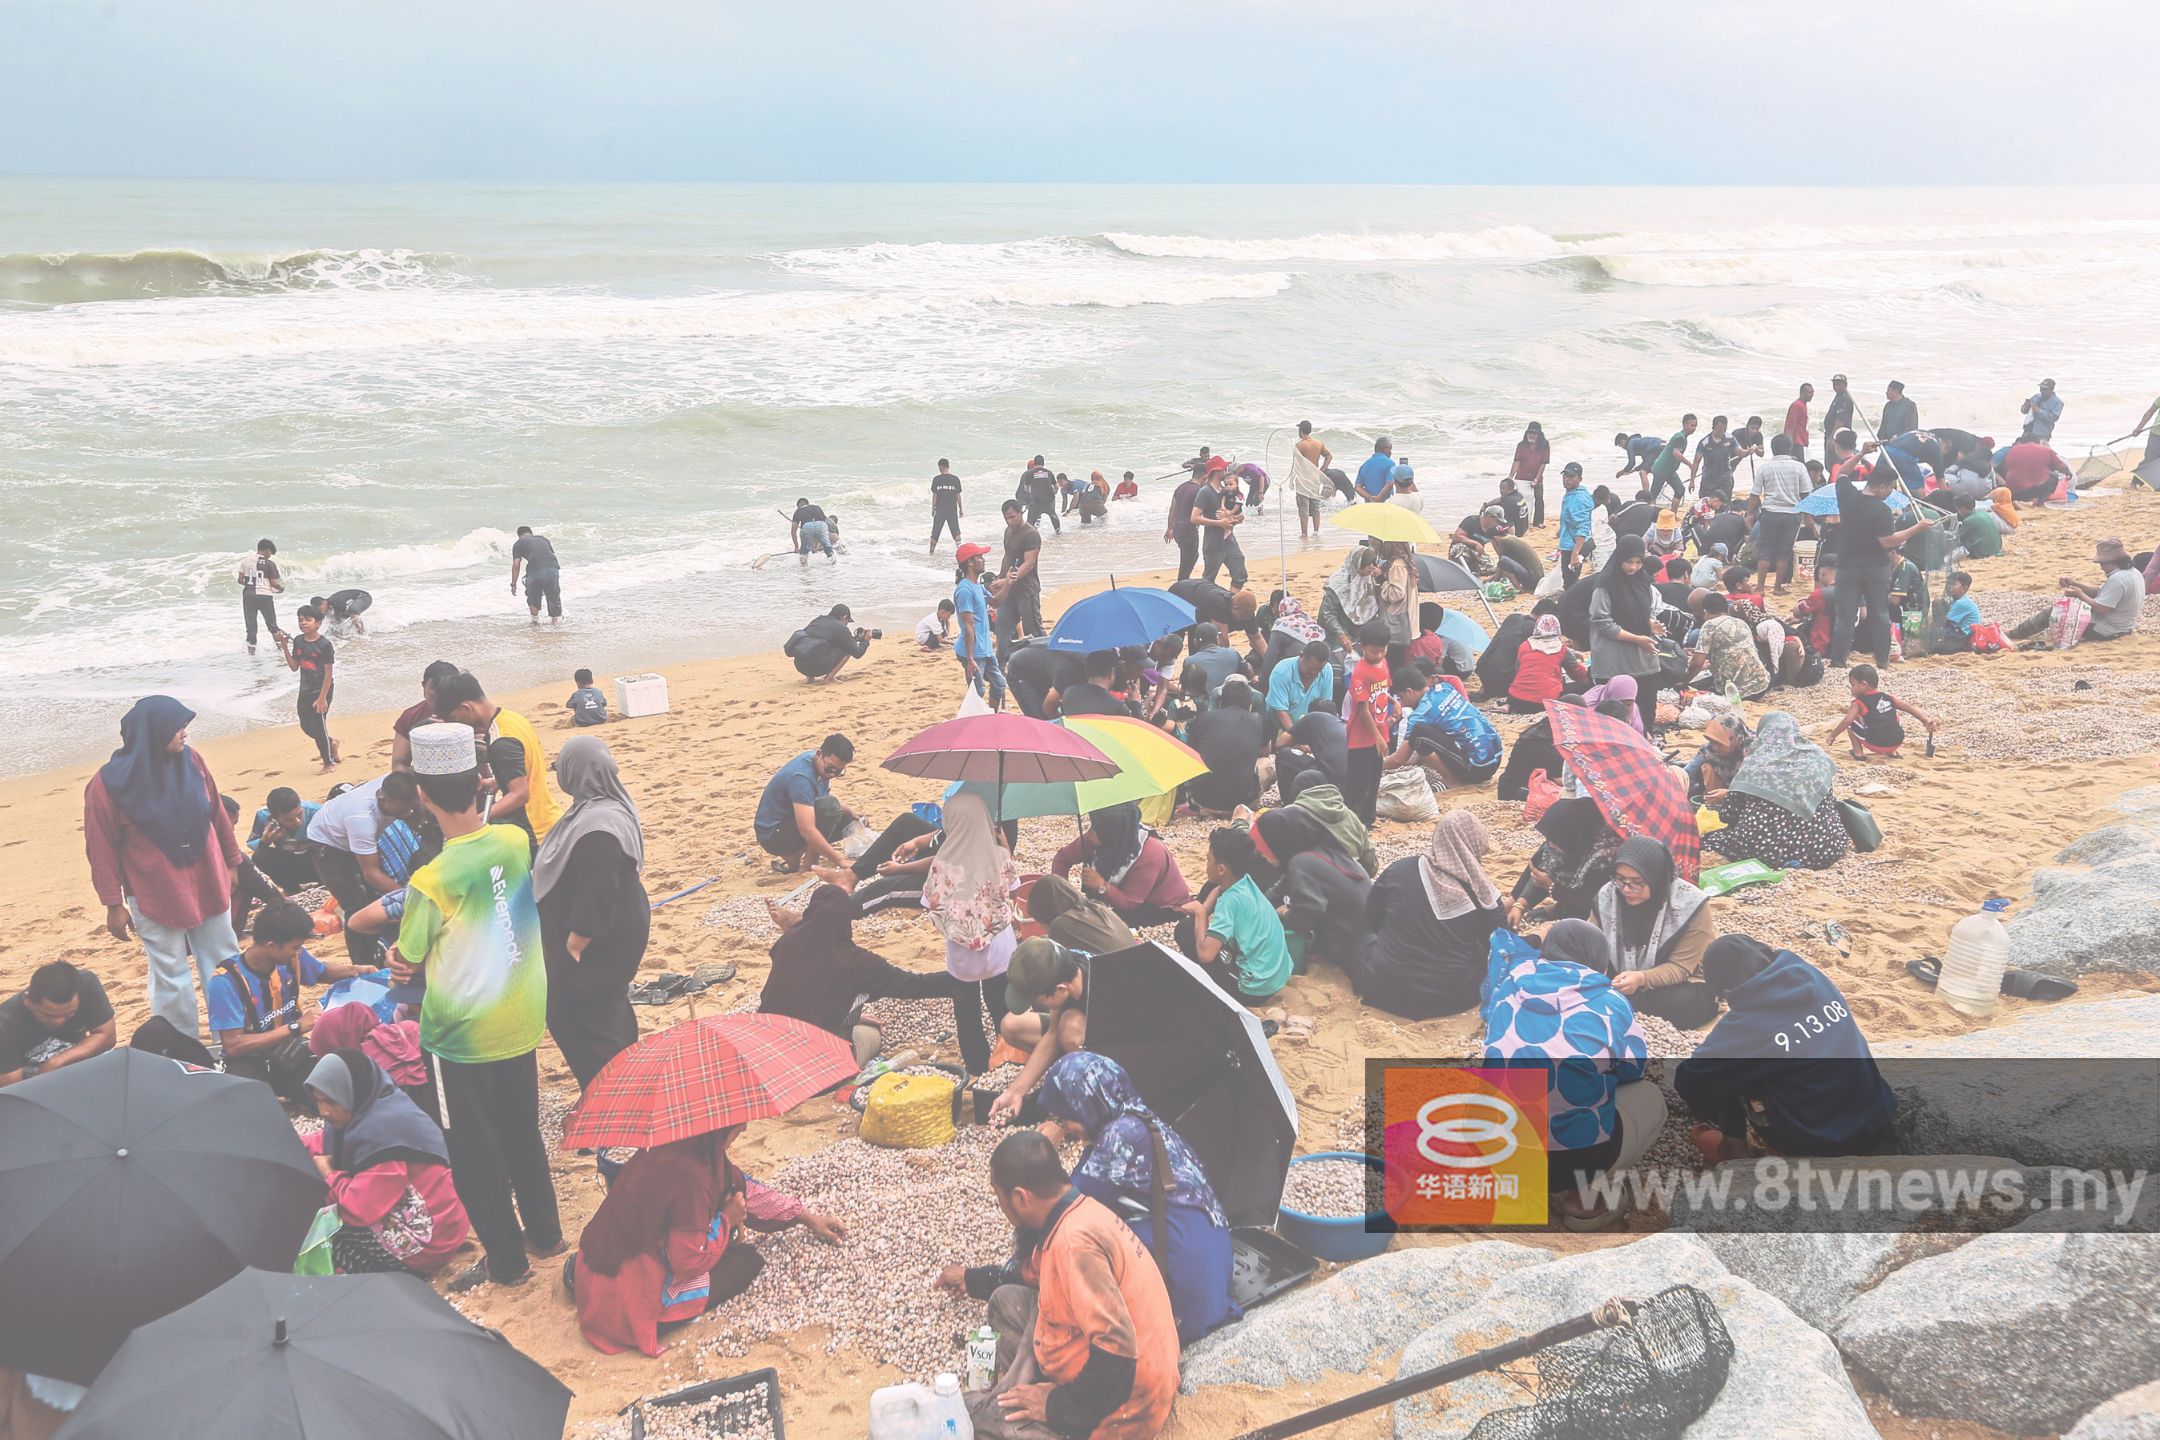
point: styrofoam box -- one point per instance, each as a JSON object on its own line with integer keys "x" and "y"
{"x": 637, "y": 695}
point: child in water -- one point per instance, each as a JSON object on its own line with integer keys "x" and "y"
{"x": 1873, "y": 717}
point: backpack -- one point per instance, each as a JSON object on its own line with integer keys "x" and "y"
{"x": 795, "y": 642}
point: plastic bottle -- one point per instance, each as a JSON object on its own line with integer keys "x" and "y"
{"x": 902, "y": 1412}
{"x": 981, "y": 1358}
{"x": 1973, "y": 965}
{"x": 948, "y": 1410}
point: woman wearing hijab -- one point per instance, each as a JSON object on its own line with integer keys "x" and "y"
{"x": 1320, "y": 892}
{"x": 162, "y": 855}
{"x": 671, "y": 1240}
{"x": 1325, "y": 804}
{"x": 1658, "y": 927}
{"x": 2006, "y": 510}
{"x": 1429, "y": 924}
{"x": 1726, "y": 739}
{"x": 1571, "y": 866}
{"x": 1074, "y": 920}
{"x": 1778, "y": 808}
{"x": 1398, "y": 592}
{"x": 595, "y": 917}
{"x": 1623, "y": 634}
{"x": 1823, "y": 1096}
{"x": 820, "y": 976}
{"x": 1543, "y": 668}
{"x": 968, "y": 892}
{"x": 388, "y": 1169}
{"x": 1620, "y": 698}
{"x": 1142, "y": 1168}
{"x": 1122, "y": 863}
{"x": 1557, "y": 1009}
{"x": 394, "y": 1045}
{"x": 1350, "y": 598}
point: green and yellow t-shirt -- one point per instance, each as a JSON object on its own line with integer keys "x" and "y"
{"x": 471, "y": 921}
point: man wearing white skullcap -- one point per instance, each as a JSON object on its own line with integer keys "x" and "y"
{"x": 471, "y": 932}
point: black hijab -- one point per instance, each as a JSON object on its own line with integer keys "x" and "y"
{"x": 1630, "y": 597}
{"x": 1573, "y": 826}
{"x": 1732, "y": 961}
{"x": 1117, "y": 839}
{"x": 1647, "y": 858}
{"x": 1288, "y": 831}
{"x": 161, "y": 794}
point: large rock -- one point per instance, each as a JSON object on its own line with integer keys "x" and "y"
{"x": 2103, "y": 918}
{"x": 1362, "y": 1313}
{"x": 1817, "y": 1276}
{"x": 2078, "y": 1116}
{"x": 2110, "y": 843}
{"x": 2024, "y": 1332}
{"x": 1785, "y": 1379}
{"x": 2132, "y": 1415}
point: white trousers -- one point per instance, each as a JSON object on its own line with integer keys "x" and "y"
{"x": 172, "y": 986}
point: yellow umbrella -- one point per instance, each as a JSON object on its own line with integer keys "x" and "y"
{"x": 1388, "y": 522}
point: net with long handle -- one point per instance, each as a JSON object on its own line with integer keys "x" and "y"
{"x": 1646, "y": 1380}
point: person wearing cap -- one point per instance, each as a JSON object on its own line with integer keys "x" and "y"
{"x": 973, "y": 644}
{"x": 516, "y": 761}
{"x": 1406, "y": 491}
{"x": 1898, "y": 413}
{"x": 824, "y": 646}
{"x": 1046, "y": 1014}
{"x": 1217, "y": 512}
{"x": 471, "y": 934}
{"x": 2041, "y": 411}
{"x": 1839, "y": 414}
{"x": 1575, "y": 512}
{"x": 1467, "y": 545}
{"x": 2116, "y": 601}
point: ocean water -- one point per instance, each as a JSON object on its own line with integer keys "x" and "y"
{"x": 389, "y": 381}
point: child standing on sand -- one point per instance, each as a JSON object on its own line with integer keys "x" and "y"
{"x": 1873, "y": 717}
{"x": 314, "y": 657}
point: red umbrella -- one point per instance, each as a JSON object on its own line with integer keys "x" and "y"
{"x": 705, "y": 1075}
{"x": 1627, "y": 776}
{"x": 1001, "y": 750}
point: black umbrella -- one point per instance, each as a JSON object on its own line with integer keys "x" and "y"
{"x": 1201, "y": 1063}
{"x": 130, "y": 1185}
{"x": 320, "y": 1357}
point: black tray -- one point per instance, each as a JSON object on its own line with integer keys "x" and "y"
{"x": 1263, "y": 1265}
{"x": 768, "y": 1378}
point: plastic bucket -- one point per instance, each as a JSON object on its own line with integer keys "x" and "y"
{"x": 1337, "y": 1238}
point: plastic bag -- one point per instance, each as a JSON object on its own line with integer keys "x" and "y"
{"x": 1543, "y": 791}
{"x": 1407, "y": 795}
{"x": 1988, "y": 639}
{"x": 314, "y": 1257}
{"x": 2067, "y": 622}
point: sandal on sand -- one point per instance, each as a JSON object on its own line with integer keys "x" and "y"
{"x": 1927, "y": 970}
{"x": 1299, "y": 1028}
{"x": 2032, "y": 985}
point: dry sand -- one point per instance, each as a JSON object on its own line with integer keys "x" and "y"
{"x": 1974, "y": 822}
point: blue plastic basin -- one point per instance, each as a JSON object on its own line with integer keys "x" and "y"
{"x": 1333, "y": 1238}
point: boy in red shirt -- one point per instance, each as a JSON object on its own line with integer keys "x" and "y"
{"x": 1812, "y": 618}
{"x": 1369, "y": 719}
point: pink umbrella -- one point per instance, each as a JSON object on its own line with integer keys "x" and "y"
{"x": 1001, "y": 750}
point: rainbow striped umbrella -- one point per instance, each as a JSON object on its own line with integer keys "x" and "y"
{"x": 1149, "y": 761}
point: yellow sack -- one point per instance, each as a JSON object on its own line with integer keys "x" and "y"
{"x": 1708, "y": 821}
{"x": 908, "y": 1112}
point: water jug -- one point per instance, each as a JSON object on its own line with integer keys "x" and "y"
{"x": 901, "y": 1412}
{"x": 1973, "y": 965}
{"x": 949, "y": 1413}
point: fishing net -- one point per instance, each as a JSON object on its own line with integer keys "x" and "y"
{"x": 1647, "y": 1380}
{"x": 2104, "y": 462}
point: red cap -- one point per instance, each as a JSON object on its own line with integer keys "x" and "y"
{"x": 968, "y": 552}
{"x": 1218, "y": 463}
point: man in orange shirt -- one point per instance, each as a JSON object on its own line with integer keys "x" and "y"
{"x": 1087, "y": 1343}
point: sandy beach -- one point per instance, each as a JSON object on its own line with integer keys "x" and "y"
{"x": 2033, "y": 751}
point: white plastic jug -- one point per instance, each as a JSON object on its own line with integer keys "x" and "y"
{"x": 900, "y": 1412}
{"x": 1973, "y": 965}
{"x": 949, "y": 1411}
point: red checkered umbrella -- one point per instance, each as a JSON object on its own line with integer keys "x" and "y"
{"x": 705, "y": 1075}
{"x": 1627, "y": 776}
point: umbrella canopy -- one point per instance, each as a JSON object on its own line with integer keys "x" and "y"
{"x": 320, "y": 1357}
{"x": 1135, "y": 615}
{"x": 1824, "y": 501}
{"x": 1639, "y": 793}
{"x": 1201, "y": 1063}
{"x": 1002, "y": 749}
{"x": 1150, "y": 762}
{"x": 705, "y": 1075}
{"x": 129, "y": 1186}
{"x": 1438, "y": 575}
{"x": 1387, "y": 522}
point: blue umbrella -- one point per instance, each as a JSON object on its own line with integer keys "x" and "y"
{"x": 1115, "y": 619}
{"x": 1824, "y": 501}
{"x": 1457, "y": 626}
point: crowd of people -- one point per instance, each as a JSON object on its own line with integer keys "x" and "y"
{"x": 477, "y": 852}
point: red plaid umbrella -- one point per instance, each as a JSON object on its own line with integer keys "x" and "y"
{"x": 705, "y": 1075}
{"x": 1627, "y": 776}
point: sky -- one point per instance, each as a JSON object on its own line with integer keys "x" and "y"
{"x": 1197, "y": 91}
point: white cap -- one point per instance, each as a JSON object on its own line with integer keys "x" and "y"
{"x": 444, "y": 748}
{"x": 947, "y": 1384}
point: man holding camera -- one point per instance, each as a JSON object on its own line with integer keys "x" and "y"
{"x": 827, "y": 643}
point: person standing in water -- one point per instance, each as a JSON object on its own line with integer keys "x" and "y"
{"x": 543, "y": 574}
{"x": 314, "y": 657}
{"x": 944, "y": 504}
{"x": 260, "y": 583}
{"x": 1309, "y": 460}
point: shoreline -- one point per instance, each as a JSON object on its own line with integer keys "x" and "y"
{"x": 1960, "y": 828}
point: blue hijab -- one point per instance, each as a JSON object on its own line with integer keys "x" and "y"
{"x": 1095, "y": 1092}
{"x": 161, "y": 794}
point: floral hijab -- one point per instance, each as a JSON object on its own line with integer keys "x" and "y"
{"x": 1784, "y": 767}
{"x": 1094, "y": 1092}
